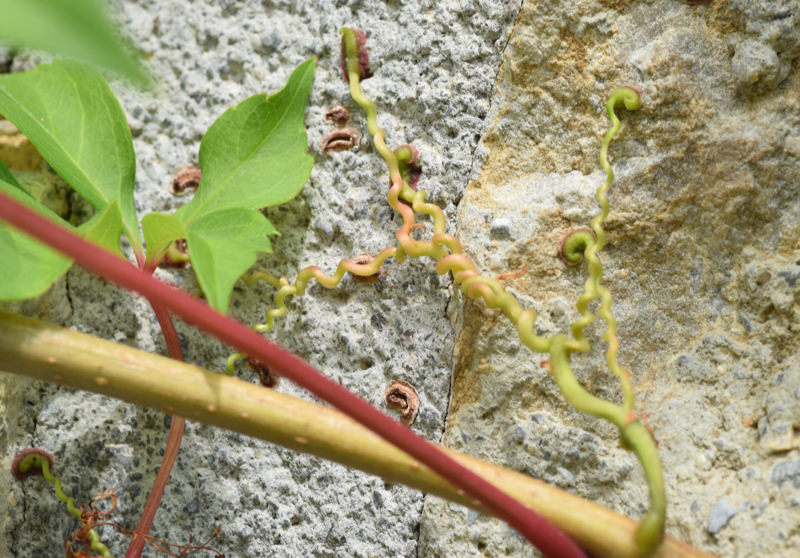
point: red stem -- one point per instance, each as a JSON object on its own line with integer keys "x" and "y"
{"x": 170, "y": 452}
{"x": 549, "y": 540}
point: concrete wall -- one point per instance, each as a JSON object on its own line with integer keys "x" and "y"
{"x": 505, "y": 101}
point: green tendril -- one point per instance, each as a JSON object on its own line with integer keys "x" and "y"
{"x": 404, "y": 155}
{"x": 353, "y": 68}
{"x": 36, "y": 461}
{"x": 352, "y": 59}
{"x": 407, "y": 156}
{"x": 575, "y": 244}
{"x": 230, "y": 364}
{"x": 448, "y": 254}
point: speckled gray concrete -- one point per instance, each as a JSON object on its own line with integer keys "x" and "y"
{"x": 703, "y": 262}
{"x": 435, "y": 64}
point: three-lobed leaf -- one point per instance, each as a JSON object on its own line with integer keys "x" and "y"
{"x": 223, "y": 245}
{"x": 70, "y": 114}
{"x": 253, "y": 156}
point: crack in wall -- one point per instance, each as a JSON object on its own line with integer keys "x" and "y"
{"x": 452, "y": 297}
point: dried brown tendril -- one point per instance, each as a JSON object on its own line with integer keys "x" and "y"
{"x": 338, "y": 115}
{"x": 267, "y": 377}
{"x": 340, "y": 139}
{"x": 403, "y": 397}
{"x": 185, "y": 180}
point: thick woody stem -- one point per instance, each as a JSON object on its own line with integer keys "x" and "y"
{"x": 50, "y": 353}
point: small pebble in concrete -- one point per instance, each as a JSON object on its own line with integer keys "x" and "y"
{"x": 500, "y": 229}
{"x": 719, "y": 516}
{"x": 786, "y": 471}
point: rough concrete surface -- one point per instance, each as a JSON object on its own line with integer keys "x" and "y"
{"x": 505, "y": 101}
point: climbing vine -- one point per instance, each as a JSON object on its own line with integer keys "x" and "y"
{"x": 445, "y": 250}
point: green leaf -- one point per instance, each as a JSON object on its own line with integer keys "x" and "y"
{"x": 10, "y": 186}
{"x": 159, "y": 232}
{"x": 77, "y": 28}
{"x": 6, "y": 175}
{"x": 28, "y": 267}
{"x": 223, "y": 245}
{"x": 70, "y": 114}
{"x": 105, "y": 228}
{"x": 254, "y": 155}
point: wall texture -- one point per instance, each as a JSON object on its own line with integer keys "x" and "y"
{"x": 506, "y": 103}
